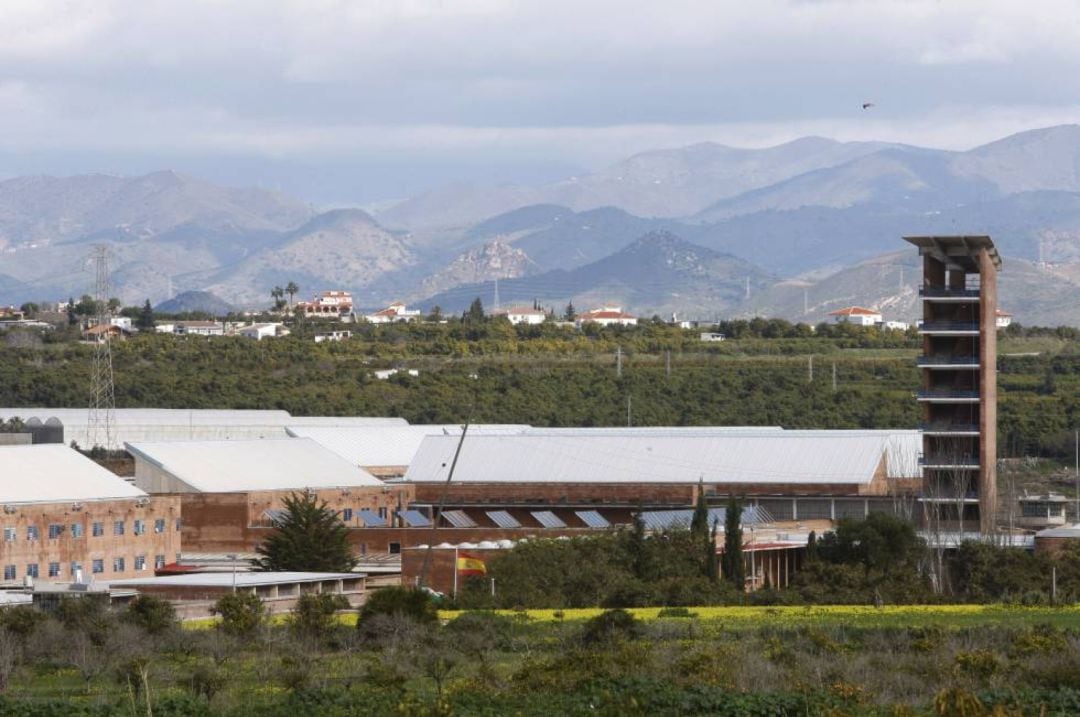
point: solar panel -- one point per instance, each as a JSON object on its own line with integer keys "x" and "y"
{"x": 548, "y": 519}
{"x": 458, "y": 519}
{"x": 371, "y": 519}
{"x": 414, "y": 518}
{"x": 592, "y": 519}
{"x": 503, "y": 519}
{"x": 275, "y": 515}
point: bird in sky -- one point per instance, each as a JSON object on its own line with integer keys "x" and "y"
{"x": 867, "y": 105}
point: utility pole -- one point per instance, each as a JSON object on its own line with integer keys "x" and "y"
{"x": 102, "y": 419}
{"x": 834, "y": 376}
{"x": 667, "y": 363}
{"x": 628, "y": 421}
{"x": 618, "y": 361}
{"x": 810, "y": 368}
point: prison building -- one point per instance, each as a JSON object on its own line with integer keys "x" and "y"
{"x": 232, "y": 492}
{"x": 64, "y": 518}
{"x": 959, "y": 377}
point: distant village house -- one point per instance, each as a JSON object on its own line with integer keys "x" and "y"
{"x": 607, "y": 316}
{"x": 396, "y": 312}
{"x": 331, "y": 304}
{"x": 522, "y": 314}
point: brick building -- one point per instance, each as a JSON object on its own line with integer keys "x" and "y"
{"x": 64, "y": 516}
{"x": 232, "y": 491}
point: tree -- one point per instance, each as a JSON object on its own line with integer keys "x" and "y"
{"x": 699, "y": 523}
{"x": 570, "y": 314}
{"x": 410, "y": 603}
{"x": 811, "y": 547}
{"x": 145, "y": 322}
{"x": 309, "y": 537}
{"x": 30, "y": 309}
{"x": 436, "y": 314}
{"x": 242, "y": 614}
{"x": 314, "y": 614}
{"x": 292, "y": 290}
{"x": 475, "y": 312}
{"x": 152, "y": 614}
{"x": 72, "y": 314}
{"x": 278, "y": 294}
{"x": 732, "y": 560}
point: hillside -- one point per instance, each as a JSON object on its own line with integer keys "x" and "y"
{"x": 658, "y": 273}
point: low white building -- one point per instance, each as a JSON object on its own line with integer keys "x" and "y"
{"x": 262, "y": 331}
{"x": 895, "y": 325}
{"x": 606, "y": 316}
{"x": 199, "y": 328}
{"x": 711, "y": 336}
{"x": 522, "y": 315}
{"x": 393, "y": 313}
{"x": 121, "y": 322}
{"x": 1002, "y": 319}
{"x": 329, "y": 304}
{"x": 857, "y": 315}
{"x": 333, "y": 336}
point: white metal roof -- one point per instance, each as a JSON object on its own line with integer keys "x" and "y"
{"x": 387, "y": 445}
{"x": 56, "y": 473}
{"x": 225, "y": 579}
{"x": 837, "y": 457}
{"x": 199, "y": 417}
{"x": 267, "y": 464}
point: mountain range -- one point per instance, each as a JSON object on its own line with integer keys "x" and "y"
{"x": 808, "y": 226}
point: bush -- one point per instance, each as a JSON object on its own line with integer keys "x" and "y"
{"x": 242, "y": 614}
{"x": 610, "y": 626}
{"x": 314, "y": 613}
{"x": 411, "y": 603}
{"x": 152, "y": 614}
{"x": 676, "y": 612}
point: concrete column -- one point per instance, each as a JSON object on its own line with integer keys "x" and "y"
{"x": 987, "y": 391}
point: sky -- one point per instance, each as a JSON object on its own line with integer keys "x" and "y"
{"x": 371, "y": 100}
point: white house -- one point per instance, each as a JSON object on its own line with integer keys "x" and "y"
{"x": 386, "y": 373}
{"x": 333, "y": 336}
{"x": 1002, "y": 319}
{"x": 262, "y": 331}
{"x": 606, "y": 316}
{"x": 393, "y": 313}
{"x": 121, "y": 322}
{"x": 329, "y": 303}
{"x": 895, "y": 325}
{"x": 711, "y": 336}
{"x": 522, "y": 315}
{"x": 199, "y": 328}
{"x": 857, "y": 315}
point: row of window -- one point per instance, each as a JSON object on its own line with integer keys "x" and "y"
{"x": 97, "y": 566}
{"x": 78, "y": 530}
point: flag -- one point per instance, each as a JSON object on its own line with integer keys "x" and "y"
{"x": 470, "y": 565}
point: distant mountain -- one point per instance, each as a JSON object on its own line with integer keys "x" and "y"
{"x": 661, "y": 183}
{"x": 658, "y": 273}
{"x": 203, "y": 301}
{"x": 494, "y": 260}
{"x": 342, "y": 249}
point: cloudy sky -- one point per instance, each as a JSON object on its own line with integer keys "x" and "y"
{"x": 364, "y": 100}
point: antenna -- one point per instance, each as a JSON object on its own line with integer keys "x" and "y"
{"x": 102, "y": 419}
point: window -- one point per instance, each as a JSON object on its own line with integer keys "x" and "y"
{"x": 382, "y": 512}
{"x": 140, "y": 527}
{"x": 159, "y": 525}
{"x": 97, "y": 530}
{"x": 76, "y": 566}
{"x": 76, "y": 530}
{"x": 54, "y": 570}
{"x": 98, "y": 566}
{"x": 346, "y": 515}
{"x": 179, "y": 524}
{"x": 118, "y": 565}
{"x": 32, "y": 532}
{"x": 118, "y": 527}
{"x": 9, "y": 572}
{"x": 159, "y": 562}
{"x": 395, "y": 548}
{"x": 55, "y": 529}
{"x": 10, "y": 535}
{"x": 140, "y": 562}
{"x": 31, "y": 570}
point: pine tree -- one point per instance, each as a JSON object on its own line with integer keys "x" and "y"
{"x": 699, "y": 524}
{"x": 570, "y": 314}
{"x": 734, "y": 569}
{"x": 811, "y": 547}
{"x": 712, "y": 568}
{"x": 475, "y": 313}
{"x": 145, "y": 321}
{"x": 308, "y": 538}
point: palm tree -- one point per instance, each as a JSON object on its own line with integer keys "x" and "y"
{"x": 277, "y": 293}
{"x": 292, "y": 290}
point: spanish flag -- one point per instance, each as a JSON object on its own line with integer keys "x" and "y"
{"x": 470, "y": 565}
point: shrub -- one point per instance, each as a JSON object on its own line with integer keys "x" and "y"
{"x": 314, "y": 613}
{"x": 610, "y": 626}
{"x": 411, "y": 603}
{"x": 152, "y": 614}
{"x": 242, "y": 614}
{"x": 676, "y": 612}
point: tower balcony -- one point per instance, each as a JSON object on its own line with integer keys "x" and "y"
{"x": 948, "y": 428}
{"x": 948, "y": 395}
{"x": 949, "y": 328}
{"x": 950, "y": 295}
{"x": 949, "y": 462}
{"x": 948, "y": 362}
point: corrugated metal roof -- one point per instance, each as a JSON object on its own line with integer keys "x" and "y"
{"x": 836, "y": 457}
{"x": 56, "y": 473}
{"x": 200, "y": 417}
{"x": 387, "y": 445}
{"x": 663, "y": 519}
{"x": 225, "y": 579}
{"x": 270, "y": 464}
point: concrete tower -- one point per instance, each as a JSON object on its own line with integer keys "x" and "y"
{"x": 959, "y": 377}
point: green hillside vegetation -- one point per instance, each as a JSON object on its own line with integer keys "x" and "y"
{"x": 490, "y": 371}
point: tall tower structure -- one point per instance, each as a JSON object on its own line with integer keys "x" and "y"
{"x": 959, "y": 376}
{"x": 101, "y": 423}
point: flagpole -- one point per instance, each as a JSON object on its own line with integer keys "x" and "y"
{"x": 455, "y": 570}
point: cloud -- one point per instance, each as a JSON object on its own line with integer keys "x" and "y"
{"x": 570, "y": 80}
